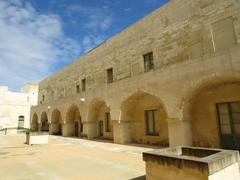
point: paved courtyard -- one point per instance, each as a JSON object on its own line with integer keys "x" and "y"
{"x": 69, "y": 158}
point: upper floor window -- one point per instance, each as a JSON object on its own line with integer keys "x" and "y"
{"x": 83, "y": 85}
{"x": 151, "y": 116}
{"x": 77, "y": 89}
{"x": 110, "y": 75}
{"x": 43, "y": 98}
{"x": 148, "y": 61}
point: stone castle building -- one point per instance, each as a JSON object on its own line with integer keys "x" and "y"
{"x": 15, "y": 106}
{"x": 172, "y": 78}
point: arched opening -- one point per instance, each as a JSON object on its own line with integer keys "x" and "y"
{"x": 73, "y": 126}
{"x": 44, "y": 122}
{"x": 99, "y": 119}
{"x": 34, "y": 122}
{"x": 214, "y": 111}
{"x": 147, "y": 118}
{"x": 56, "y": 123}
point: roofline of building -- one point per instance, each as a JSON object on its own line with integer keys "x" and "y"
{"x": 111, "y": 38}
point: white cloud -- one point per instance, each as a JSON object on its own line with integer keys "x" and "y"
{"x": 97, "y": 18}
{"x": 127, "y": 9}
{"x": 31, "y": 43}
{"x": 91, "y": 41}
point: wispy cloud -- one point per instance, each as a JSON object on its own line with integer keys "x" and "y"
{"x": 91, "y": 41}
{"x": 31, "y": 43}
{"x": 127, "y": 9}
{"x": 96, "y": 18}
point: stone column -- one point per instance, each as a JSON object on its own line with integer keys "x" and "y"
{"x": 91, "y": 129}
{"x": 121, "y": 127}
{"x": 39, "y": 126}
{"x": 121, "y": 132}
{"x": 180, "y": 133}
{"x": 54, "y": 128}
{"x": 85, "y": 131}
{"x": 68, "y": 129}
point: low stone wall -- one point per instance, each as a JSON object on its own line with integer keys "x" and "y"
{"x": 190, "y": 163}
{"x": 37, "y": 138}
{"x": 13, "y": 130}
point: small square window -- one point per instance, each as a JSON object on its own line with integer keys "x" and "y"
{"x": 83, "y": 85}
{"x": 110, "y": 75}
{"x": 148, "y": 62}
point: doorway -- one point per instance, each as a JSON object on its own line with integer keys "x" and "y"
{"x": 76, "y": 129}
{"x": 100, "y": 125}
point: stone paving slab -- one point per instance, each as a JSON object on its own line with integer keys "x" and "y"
{"x": 69, "y": 158}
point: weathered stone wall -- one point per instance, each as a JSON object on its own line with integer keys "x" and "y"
{"x": 15, "y": 104}
{"x": 194, "y": 43}
{"x": 204, "y": 118}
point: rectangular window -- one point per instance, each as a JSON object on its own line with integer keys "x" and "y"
{"x": 151, "y": 122}
{"x": 107, "y": 122}
{"x": 229, "y": 124}
{"x": 43, "y": 98}
{"x": 110, "y": 75}
{"x": 78, "y": 89}
{"x": 83, "y": 85}
{"x": 148, "y": 62}
{"x": 229, "y": 117}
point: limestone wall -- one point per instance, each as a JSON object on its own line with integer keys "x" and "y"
{"x": 178, "y": 32}
{"x": 158, "y": 171}
{"x": 15, "y": 104}
{"x": 194, "y": 43}
{"x": 205, "y": 115}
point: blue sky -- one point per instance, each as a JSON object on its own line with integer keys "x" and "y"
{"x": 39, "y": 37}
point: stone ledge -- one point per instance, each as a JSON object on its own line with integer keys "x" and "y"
{"x": 203, "y": 159}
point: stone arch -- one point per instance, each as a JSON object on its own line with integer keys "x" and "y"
{"x": 203, "y": 83}
{"x": 73, "y": 126}
{"x": 147, "y": 119}
{"x": 34, "y": 124}
{"x": 200, "y": 107}
{"x": 44, "y": 122}
{"x": 99, "y": 120}
{"x": 56, "y": 122}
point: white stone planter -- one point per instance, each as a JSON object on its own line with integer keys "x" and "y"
{"x": 36, "y": 138}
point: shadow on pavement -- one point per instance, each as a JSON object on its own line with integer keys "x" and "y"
{"x": 139, "y": 178}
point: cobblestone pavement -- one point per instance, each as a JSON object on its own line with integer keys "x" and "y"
{"x": 69, "y": 158}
